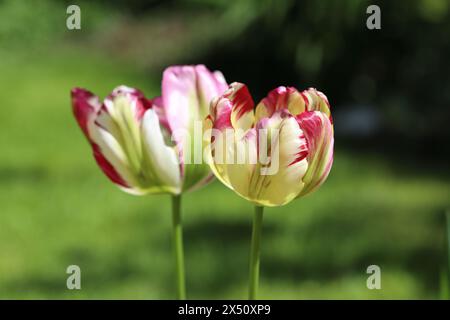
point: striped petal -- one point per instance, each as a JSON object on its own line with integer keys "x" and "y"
{"x": 316, "y": 101}
{"x": 282, "y": 180}
{"x": 220, "y": 114}
{"x": 109, "y": 149}
{"x": 242, "y": 115}
{"x": 319, "y": 135}
{"x": 233, "y": 109}
{"x": 120, "y": 116}
{"x": 140, "y": 103}
{"x": 292, "y": 141}
{"x": 240, "y": 161}
{"x": 108, "y": 169}
{"x": 120, "y": 140}
{"x": 231, "y": 115}
{"x": 85, "y": 108}
{"x": 281, "y": 98}
{"x": 211, "y": 137}
{"x": 160, "y": 159}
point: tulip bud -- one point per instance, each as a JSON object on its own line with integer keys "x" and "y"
{"x": 290, "y": 134}
{"x": 126, "y": 136}
{"x": 133, "y": 138}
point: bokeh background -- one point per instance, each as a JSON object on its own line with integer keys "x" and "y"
{"x": 383, "y": 203}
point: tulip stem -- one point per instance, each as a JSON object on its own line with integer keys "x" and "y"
{"x": 447, "y": 220}
{"x": 254, "y": 253}
{"x": 178, "y": 246}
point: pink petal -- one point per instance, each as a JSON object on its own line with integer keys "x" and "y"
{"x": 278, "y": 99}
{"x": 316, "y": 101}
{"x": 287, "y": 98}
{"x": 187, "y": 92}
{"x": 135, "y": 95}
{"x": 211, "y": 84}
{"x": 107, "y": 168}
{"x": 234, "y": 109}
{"x": 85, "y": 106}
{"x": 319, "y": 135}
{"x": 221, "y": 115}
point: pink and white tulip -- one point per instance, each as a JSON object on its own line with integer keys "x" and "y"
{"x": 302, "y": 145}
{"x": 131, "y": 135}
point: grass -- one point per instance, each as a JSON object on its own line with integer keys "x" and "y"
{"x": 57, "y": 209}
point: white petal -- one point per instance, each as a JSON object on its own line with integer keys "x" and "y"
{"x": 283, "y": 182}
{"x": 239, "y": 173}
{"x": 113, "y": 152}
{"x": 163, "y": 158}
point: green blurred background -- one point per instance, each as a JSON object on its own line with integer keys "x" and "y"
{"x": 383, "y": 203}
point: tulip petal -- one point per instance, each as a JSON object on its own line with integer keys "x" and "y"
{"x": 138, "y": 106}
{"x": 187, "y": 92}
{"x": 160, "y": 158}
{"x": 242, "y": 115}
{"x": 108, "y": 148}
{"x": 220, "y": 113}
{"x": 179, "y": 96}
{"x": 121, "y": 115}
{"x": 233, "y": 109}
{"x": 157, "y": 106}
{"x": 210, "y": 140}
{"x": 238, "y": 172}
{"x": 107, "y": 168}
{"x": 186, "y": 95}
{"x": 319, "y": 135}
{"x": 85, "y": 106}
{"x": 210, "y": 85}
{"x": 316, "y": 101}
{"x": 280, "y": 98}
{"x": 232, "y": 113}
{"x": 288, "y": 151}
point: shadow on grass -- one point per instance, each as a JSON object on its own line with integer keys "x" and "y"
{"x": 224, "y": 246}
{"x": 29, "y": 174}
{"x": 329, "y": 246}
{"x": 340, "y": 244}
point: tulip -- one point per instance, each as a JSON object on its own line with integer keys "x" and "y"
{"x": 133, "y": 142}
{"x": 297, "y": 128}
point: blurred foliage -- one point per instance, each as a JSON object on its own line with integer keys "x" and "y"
{"x": 21, "y": 25}
{"x": 58, "y": 209}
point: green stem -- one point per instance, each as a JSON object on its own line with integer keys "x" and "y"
{"x": 445, "y": 268}
{"x": 447, "y": 218}
{"x": 254, "y": 253}
{"x": 178, "y": 246}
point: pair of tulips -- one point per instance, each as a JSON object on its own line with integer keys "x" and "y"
{"x": 144, "y": 145}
